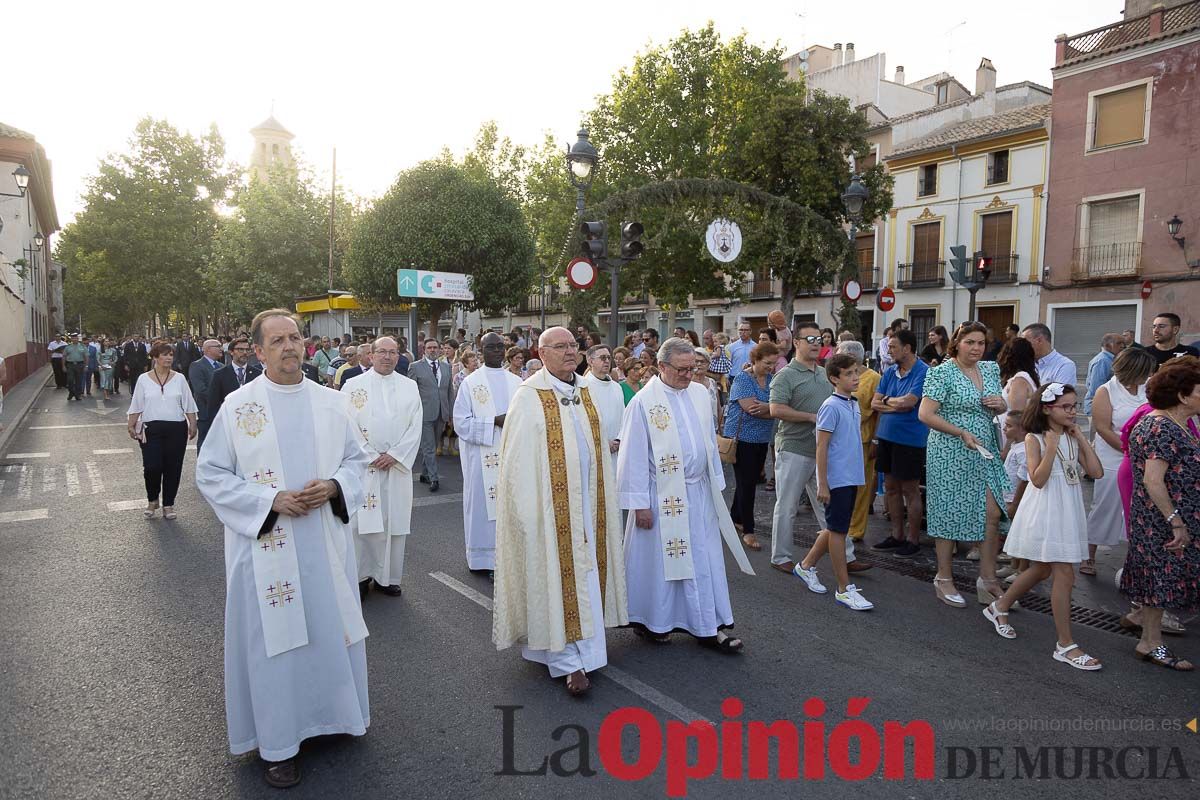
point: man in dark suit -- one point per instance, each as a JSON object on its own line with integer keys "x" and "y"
{"x": 186, "y": 352}
{"x": 229, "y": 379}
{"x": 433, "y": 379}
{"x": 200, "y": 376}
{"x": 137, "y": 359}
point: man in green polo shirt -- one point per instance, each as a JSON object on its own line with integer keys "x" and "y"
{"x": 76, "y": 355}
{"x": 797, "y": 392}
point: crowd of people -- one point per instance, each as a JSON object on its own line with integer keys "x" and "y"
{"x": 593, "y": 479}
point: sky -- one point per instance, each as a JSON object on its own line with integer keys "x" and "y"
{"x": 391, "y": 83}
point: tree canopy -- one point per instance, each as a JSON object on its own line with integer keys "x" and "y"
{"x": 444, "y": 217}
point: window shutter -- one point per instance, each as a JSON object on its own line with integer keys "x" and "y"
{"x": 1112, "y": 221}
{"x": 925, "y": 242}
{"x": 1120, "y": 117}
{"x": 996, "y": 237}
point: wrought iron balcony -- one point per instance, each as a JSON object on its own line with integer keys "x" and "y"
{"x": 758, "y": 288}
{"x": 922, "y": 274}
{"x": 868, "y": 277}
{"x": 1118, "y": 260}
{"x": 1004, "y": 269}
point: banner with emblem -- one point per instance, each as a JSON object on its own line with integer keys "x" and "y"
{"x": 482, "y": 407}
{"x": 276, "y": 568}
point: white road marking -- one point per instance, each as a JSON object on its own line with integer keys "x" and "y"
{"x": 97, "y": 480}
{"x": 112, "y": 452}
{"x": 455, "y": 497}
{"x": 64, "y": 427}
{"x": 49, "y": 479}
{"x": 28, "y": 455}
{"x": 72, "y": 480}
{"x": 1, "y": 487}
{"x": 24, "y": 516}
{"x": 25, "y": 489}
{"x": 618, "y": 676}
{"x": 126, "y": 505}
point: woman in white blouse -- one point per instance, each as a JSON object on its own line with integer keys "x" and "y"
{"x": 162, "y": 417}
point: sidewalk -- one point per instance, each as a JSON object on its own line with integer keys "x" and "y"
{"x": 19, "y": 400}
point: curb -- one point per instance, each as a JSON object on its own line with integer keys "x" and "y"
{"x": 10, "y": 431}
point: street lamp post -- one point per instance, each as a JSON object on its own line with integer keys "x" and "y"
{"x": 582, "y": 159}
{"x": 853, "y": 199}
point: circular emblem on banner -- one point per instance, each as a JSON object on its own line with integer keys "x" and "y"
{"x": 724, "y": 240}
{"x": 886, "y": 299}
{"x": 581, "y": 273}
{"x": 851, "y": 290}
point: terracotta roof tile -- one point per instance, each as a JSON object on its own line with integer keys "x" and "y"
{"x": 980, "y": 128}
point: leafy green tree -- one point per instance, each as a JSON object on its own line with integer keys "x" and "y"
{"x": 275, "y": 246}
{"x": 801, "y": 149}
{"x": 140, "y": 246}
{"x": 682, "y": 110}
{"x": 439, "y": 216}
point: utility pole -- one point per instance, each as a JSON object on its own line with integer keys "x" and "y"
{"x": 333, "y": 202}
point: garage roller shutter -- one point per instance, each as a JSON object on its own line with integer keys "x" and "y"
{"x": 1078, "y": 331}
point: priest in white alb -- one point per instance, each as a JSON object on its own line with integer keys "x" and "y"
{"x": 282, "y": 468}
{"x": 560, "y": 569}
{"x": 669, "y": 477}
{"x": 387, "y": 408}
{"x": 607, "y": 394}
{"x": 479, "y": 414}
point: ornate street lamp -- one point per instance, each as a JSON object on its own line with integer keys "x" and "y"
{"x": 21, "y": 176}
{"x": 853, "y": 199}
{"x": 582, "y": 159}
{"x": 38, "y": 240}
{"x": 1174, "y": 224}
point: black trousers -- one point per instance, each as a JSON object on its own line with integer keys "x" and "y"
{"x": 74, "y": 379}
{"x": 162, "y": 459}
{"x": 60, "y": 373}
{"x": 750, "y": 460}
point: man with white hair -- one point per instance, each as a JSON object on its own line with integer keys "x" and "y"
{"x": 479, "y": 413}
{"x": 387, "y": 409}
{"x": 363, "y": 365}
{"x": 606, "y": 392}
{"x": 560, "y": 562}
{"x": 669, "y": 476}
{"x": 200, "y": 376}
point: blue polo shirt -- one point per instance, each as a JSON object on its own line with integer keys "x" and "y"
{"x": 903, "y": 428}
{"x": 739, "y": 355}
{"x": 841, "y": 417}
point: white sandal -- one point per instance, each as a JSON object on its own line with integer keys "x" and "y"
{"x": 168, "y": 512}
{"x": 951, "y": 598}
{"x": 150, "y": 511}
{"x": 993, "y": 616}
{"x": 1080, "y": 661}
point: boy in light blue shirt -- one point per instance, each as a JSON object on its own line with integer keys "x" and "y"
{"x": 839, "y": 476}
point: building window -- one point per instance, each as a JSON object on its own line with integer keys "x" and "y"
{"x": 864, "y": 251}
{"x": 275, "y": 151}
{"x": 921, "y": 321}
{"x": 864, "y": 164}
{"x": 927, "y": 180}
{"x": 1110, "y": 246}
{"x": 926, "y": 243}
{"x": 943, "y": 92}
{"x": 997, "y": 167}
{"x": 995, "y": 240}
{"x": 1119, "y": 117}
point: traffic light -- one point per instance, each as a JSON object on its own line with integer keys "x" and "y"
{"x": 631, "y": 235}
{"x": 959, "y": 266}
{"x": 595, "y": 246}
{"x": 983, "y": 267}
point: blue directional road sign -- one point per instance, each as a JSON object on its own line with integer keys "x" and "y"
{"x": 426, "y": 285}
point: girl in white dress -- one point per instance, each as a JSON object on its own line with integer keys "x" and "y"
{"x": 1050, "y": 528}
{"x": 1112, "y": 407}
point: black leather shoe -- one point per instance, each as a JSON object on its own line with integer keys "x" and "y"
{"x": 282, "y": 774}
{"x": 393, "y": 590}
{"x": 434, "y": 486}
{"x": 424, "y": 479}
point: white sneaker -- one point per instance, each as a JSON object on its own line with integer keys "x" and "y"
{"x": 973, "y": 553}
{"x": 852, "y": 600}
{"x": 809, "y": 576}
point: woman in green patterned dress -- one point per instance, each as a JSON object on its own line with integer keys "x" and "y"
{"x": 964, "y": 474}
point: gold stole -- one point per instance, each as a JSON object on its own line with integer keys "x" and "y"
{"x": 562, "y": 507}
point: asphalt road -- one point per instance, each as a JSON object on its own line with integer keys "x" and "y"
{"x": 111, "y": 664}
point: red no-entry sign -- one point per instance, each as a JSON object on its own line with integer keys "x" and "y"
{"x": 581, "y": 273}
{"x": 1146, "y": 289}
{"x": 886, "y": 299}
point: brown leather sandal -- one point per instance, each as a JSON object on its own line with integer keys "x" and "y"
{"x": 578, "y": 683}
{"x": 282, "y": 774}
